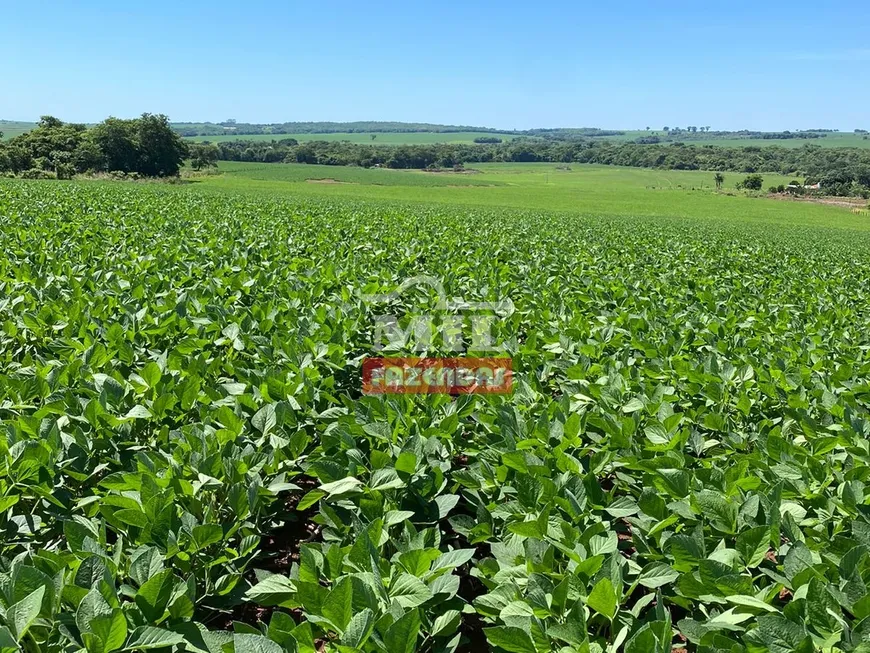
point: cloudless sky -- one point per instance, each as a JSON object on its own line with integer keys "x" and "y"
{"x": 764, "y": 64}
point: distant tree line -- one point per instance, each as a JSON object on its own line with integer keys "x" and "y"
{"x": 145, "y": 146}
{"x": 188, "y": 129}
{"x": 250, "y": 129}
{"x": 568, "y": 133}
{"x": 843, "y": 171}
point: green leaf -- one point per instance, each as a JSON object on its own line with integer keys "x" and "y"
{"x": 148, "y": 637}
{"x": 780, "y": 634}
{"x": 453, "y": 559}
{"x": 338, "y": 606}
{"x": 750, "y": 601}
{"x": 110, "y": 629}
{"x": 657, "y": 574}
{"x": 409, "y": 591}
{"x": 8, "y": 501}
{"x": 401, "y": 637}
{"x": 7, "y": 641}
{"x": 385, "y": 478}
{"x": 514, "y": 640}
{"x": 342, "y": 486}
{"x": 265, "y": 419}
{"x": 633, "y": 406}
{"x": 603, "y": 598}
{"x": 656, "y": 434}
{"x": 151, "y": 374}
{"x": 753, "y": 545}
{"x": 246, "y": 643}
{"x": 643, "y": 641}
{"x": 519, "y": 611}
{"x": 418, "y": 561}
{"x": 721, "y": 511}
{"x": 154, "y": 595}
{"x": 138, "y": 412}
{"x": 406, "y": 462}
{"x": 272, "y": 590}
{"x": 146, "y": 563}
{"x": 821, "y": 608}
{"x": 21, "y": 615}
{"x": 527, "y": 529}
{"x": 359, "y": 629}
{"x": 446, "y": 624}
{"x": 310, "y": 499}
{"x": 93, "y": 605}
{"x": 207, "y": 534}
{"x": 132, "y": 517}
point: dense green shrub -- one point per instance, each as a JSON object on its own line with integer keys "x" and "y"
{"x": 37, "y": 173}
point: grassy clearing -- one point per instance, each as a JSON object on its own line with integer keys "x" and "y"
{"x": 234, "y": 172}
{"x": 585, "y": 189}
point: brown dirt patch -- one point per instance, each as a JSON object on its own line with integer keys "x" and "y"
{"x": 328, "y": 180}
{"x": 279, "y": 549}
{"x": 845, "y": 202}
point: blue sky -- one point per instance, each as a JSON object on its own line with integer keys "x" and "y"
{"x": 731, "y": 65}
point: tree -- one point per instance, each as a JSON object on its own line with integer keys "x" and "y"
{"x": 719, "y": 178}
{"x": 147, "y": 145}
{"x": 203, "y": 155}
{"x": 116, "y": 139}
{"x": 49, "y": 122}
{"x": 752, "y": 182}
{"x": 49, "y": 145}
{"x": 374, "y": 136}
{"x": 161, "y": 149}
{"x": 88, "y": 156}
{"x": 667, "y": 129}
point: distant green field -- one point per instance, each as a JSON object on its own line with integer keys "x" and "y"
{"x": 13, "y": 128}
{"x": 834, "y": 139}
{"x": 831, "y": 140}
{"x": 584, "y": 189}
{"x": 301, "y": 173}
{"x": 410, "y": 138}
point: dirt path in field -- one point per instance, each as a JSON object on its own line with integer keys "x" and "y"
{"x": 326, "y": 181}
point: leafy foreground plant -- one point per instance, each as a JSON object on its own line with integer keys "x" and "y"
{"x": 188, "y": 463}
